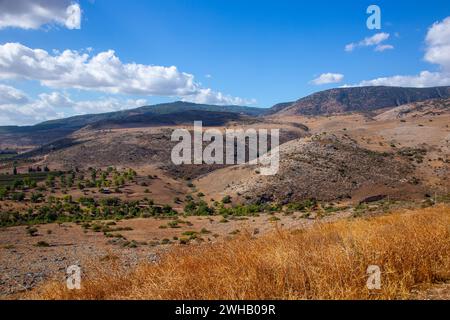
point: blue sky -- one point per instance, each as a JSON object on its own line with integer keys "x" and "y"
{"x": 234, "y": 51}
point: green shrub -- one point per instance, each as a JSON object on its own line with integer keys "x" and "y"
{"x": 18, "y": 196}
{"x": 36, "y": 197}
{"x": 226, "y": 199}
{"x": 3, "y": 193}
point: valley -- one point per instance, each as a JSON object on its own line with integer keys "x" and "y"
{"x": 103, "y": 187}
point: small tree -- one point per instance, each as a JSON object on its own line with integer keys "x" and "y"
{"x": 226, "y": 199}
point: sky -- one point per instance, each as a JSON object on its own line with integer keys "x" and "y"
{"x": 60, "y": 58}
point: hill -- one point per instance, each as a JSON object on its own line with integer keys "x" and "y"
{"x": 364, "y": 99}
{"x": 433, "y": 107}
{"x": 161, "y": 114}
{"x": 322, "y": 167}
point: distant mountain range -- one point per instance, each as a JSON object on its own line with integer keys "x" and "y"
{"x": 161, "y": 114}
{"x": 361, "y": 99}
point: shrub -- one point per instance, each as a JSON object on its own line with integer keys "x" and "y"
{"x": 32, "y": 231}
{"x": 205, "y": 231}
{"x": 3, "y": 193}
{"x": 165, "y": 241}
{"x": 42, "y": 244}
{"x": 36, "y": 197}
{"x": 189, "y": 233}
{"x": 18, "y": 196}
{"x": 173, "y": 224}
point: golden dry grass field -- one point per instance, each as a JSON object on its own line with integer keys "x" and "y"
{"x": 325, "y": 261}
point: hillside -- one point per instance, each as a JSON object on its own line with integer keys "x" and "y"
{"x": 323, "y": 167}
{"x": 161, "y": 114}
{"x": 433, "y": 107}
{"x": 363, "y": 99}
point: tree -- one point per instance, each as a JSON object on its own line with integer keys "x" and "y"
{"x": 3, "y": 193}
{"x": 226, "y": 199}
{"x": 15, "y": 171}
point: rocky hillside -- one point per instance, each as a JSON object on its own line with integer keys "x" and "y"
{"x": 323, "y": 167}
{"x": 358, "y": 99}
{"x": 433, "y": 107}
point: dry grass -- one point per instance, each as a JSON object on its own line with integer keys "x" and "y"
{"x": 327, "y": 261}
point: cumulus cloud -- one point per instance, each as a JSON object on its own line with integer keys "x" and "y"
{"x": 438, "y": 44}
{"x": 208, "y": 96}
{"x": 17, "y": 108}
{"x": 10, "y": 95}
{"x": 375, "y": 40}
{"x": 423, "y": 79}
{"x": 103, "y": 72}
{"x": 437, "y": 52}
{"x": 327, "y": 78}
{"x": 32, "y": 14}
{"x": 383, "y": 47}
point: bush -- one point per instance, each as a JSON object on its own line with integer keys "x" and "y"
{"x": 306, "y": 205}
{"x": 18, "y": 196}
{"x": 3, "y": 193}
{"x": 32, "y": 231}
{"x": 226, "y": 199}
{"x": 42, "y": 244}
{"x": 36, "y": 197}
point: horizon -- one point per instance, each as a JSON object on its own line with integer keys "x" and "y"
{"x": 218, "y": 105}
{"x": 252, "y": 54}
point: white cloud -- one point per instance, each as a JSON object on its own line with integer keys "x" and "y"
{"x": 208, "y": 96}
{"x": 423, "y": 79}
{"x": 18, "y": 109}
{"x": 107, "y": 105}
{"x": 383, "y": 47}
{"x": 103, "y": 72}
{"x": 73, "y": 20}
{"x": 374, "y": 40}
{"x": 32, "y": 14}
{"x": 438, "y": 44}
{"x": 10, "y": 95}
{"x": 327, "y": 78}
{"x": 436, "y": 52}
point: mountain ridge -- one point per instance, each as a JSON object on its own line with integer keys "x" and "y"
{"x": 359, "y": 99}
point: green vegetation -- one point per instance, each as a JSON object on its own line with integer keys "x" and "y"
{"x": 85, "y": 209}
{"x": 21, "y": 179}
{"x": 307, "y": 205}
{"x": 226, "y": 199}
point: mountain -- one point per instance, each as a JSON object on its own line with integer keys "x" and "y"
{"x": 148, "y": 112}
{"x": 161, "y": 114}
{"x": 361, "y": 99}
